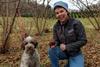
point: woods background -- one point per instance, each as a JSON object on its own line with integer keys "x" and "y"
{"x": 19, "y": 17}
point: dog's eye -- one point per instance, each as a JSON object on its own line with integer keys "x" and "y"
{"x": 26, "y": 43}
{"x": 32, "y": 42}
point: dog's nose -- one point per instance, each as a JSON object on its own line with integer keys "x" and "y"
{"x": 30, "y": 48}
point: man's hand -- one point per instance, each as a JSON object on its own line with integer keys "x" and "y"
{"x": 62, "y": 47}
{"x": 52, "y": 44}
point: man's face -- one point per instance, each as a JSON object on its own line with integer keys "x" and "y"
{"x": 61, "y": 14}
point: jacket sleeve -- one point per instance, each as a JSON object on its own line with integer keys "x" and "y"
{"x": 55, "y": 36}
{"x": 80, "y": 37}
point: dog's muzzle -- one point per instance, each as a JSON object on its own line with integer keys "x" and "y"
{"x": 30, "y": 48}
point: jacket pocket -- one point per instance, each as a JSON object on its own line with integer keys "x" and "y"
{"x": 71, "y": 35}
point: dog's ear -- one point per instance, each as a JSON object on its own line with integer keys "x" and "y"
{"x": 36, "y": 44}
{"x": 23, "y": 45}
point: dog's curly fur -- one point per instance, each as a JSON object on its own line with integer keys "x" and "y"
{"x": 30, "y": 56}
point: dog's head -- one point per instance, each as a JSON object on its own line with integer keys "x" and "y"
{"x": 29, "y": 44}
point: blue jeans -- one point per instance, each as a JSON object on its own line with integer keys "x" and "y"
{"x": 55, "y": 54}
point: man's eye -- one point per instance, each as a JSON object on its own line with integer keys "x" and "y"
{"x": 61, "y": 11}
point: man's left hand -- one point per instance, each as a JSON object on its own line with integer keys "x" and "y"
{"x": 62, "y": 47}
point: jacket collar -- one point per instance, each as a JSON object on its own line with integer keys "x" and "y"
{"x": 66, "y": 22}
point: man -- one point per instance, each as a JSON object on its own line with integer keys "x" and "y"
{"x": 69, "y": 36}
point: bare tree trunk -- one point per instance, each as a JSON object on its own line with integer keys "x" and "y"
{"x": 8, "y": 26}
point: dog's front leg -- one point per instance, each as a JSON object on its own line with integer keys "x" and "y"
{"x": 23, "y": 64}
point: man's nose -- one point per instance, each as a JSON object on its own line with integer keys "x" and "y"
{"x": 59, "y": 14}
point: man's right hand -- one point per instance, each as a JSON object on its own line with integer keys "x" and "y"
{"x": 52, "y": 44}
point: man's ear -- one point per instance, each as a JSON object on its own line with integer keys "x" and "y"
{"x": 68, "y": 13}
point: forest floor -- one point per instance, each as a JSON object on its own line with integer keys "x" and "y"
{"x": 91, "y": 52}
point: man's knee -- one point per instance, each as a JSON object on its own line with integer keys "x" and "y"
{"x": 51, "y": 51}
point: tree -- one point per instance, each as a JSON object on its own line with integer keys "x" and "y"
{"x": 8, "y": 11}
{"x": 39, "y": 14}
{"x": 88, "y": 10}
